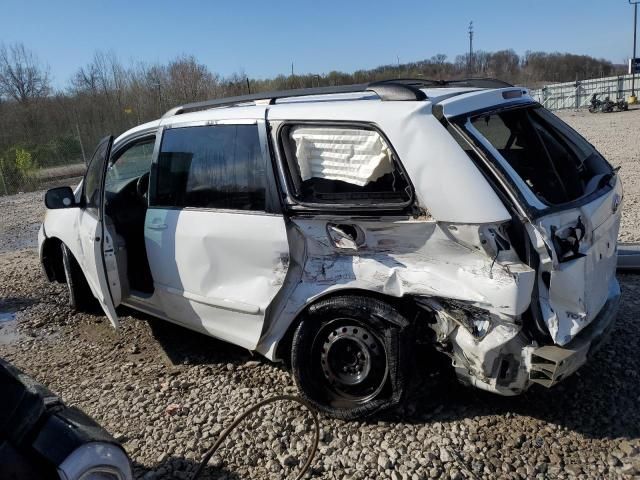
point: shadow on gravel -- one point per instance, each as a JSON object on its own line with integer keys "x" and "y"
{"x": 184, "y": 346}
{"x": 182, "y": 468}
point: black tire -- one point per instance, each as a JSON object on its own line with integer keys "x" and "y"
{"x": 81, "y": 298}
{"x": 350, "y": 356}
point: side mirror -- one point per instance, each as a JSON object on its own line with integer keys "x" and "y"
{"x": 61, "y": 197}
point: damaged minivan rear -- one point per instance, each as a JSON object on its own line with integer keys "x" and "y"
{"x": 564, "y": 200}
{"x": 344, "y": 229}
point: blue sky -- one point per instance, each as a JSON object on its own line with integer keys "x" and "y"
{"x": 264, "y": 37}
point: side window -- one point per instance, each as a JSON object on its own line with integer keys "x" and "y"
{"x": 134, "y": 162}
{"x": 343, "y": 165}
{"x": 91, "y": 186}
{"x": 218, "y": 166}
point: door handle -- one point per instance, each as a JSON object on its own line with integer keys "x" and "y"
{"x": 158, "y": 226}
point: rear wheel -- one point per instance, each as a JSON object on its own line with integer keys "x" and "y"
{"x": 81, "y": 298}
{"x": 349, "y": 356}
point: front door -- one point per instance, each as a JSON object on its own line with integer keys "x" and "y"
{"x": 98, "y": 257}
{"x": 217, "y": 255}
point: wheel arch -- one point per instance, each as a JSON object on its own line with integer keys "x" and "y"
{"x": 405, "y": 305}
{"x": 51, "y": 260}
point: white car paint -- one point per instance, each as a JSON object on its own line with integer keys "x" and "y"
{"x": 212, "y": 273}
{"x": 246, "y": 278}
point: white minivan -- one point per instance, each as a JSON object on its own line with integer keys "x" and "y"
{"x": 342, "y": 228}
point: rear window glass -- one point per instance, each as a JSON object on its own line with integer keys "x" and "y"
{"x": 343, "y": 165}
{"x": 555, "y": 162}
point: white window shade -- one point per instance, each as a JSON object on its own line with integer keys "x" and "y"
{"x": 348, "y": 154}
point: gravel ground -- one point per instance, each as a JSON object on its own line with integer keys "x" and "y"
{"x": 617, "y": 137}
{"x": 167, "y": 393}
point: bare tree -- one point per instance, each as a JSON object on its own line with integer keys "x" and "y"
{"x": 22, "y": 77}
{"x": 190, "y": 80}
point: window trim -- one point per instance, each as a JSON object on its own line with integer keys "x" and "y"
{"x": 286, "y": 179}
{"x": 154, "y": 177}
{"x": 121, "y": 150}
{"x": 130, "y": 143}
{"x": 83, "y": 204}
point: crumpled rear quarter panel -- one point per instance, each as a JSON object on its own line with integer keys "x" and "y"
{"x": 398, "y": 257}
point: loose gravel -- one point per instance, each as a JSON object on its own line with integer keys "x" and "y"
{"x": 166, "y": 393}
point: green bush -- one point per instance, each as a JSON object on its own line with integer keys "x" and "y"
{"x": 17, "y": 169}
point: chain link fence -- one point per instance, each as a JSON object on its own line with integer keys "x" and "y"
{"x": 39, "y": 163}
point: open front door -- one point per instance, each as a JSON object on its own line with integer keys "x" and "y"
{"x": 98, "y": 256}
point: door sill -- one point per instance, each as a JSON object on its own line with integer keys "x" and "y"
{"x": 138, "y": 295}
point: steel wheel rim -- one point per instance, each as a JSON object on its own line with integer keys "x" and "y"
{"x": 353, "y": 360}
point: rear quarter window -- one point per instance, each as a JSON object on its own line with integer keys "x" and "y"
{"x": 343, "y": 165}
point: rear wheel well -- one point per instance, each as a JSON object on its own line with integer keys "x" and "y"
{"x": 52, "y": 260}
{"x": 405, "y": 306}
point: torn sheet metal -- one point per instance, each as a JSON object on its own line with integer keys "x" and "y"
{"x": 577, "y": 250}
{"x": 399, "y": 257}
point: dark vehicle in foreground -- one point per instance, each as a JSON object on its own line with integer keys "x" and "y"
{"x": 41, "y": 438}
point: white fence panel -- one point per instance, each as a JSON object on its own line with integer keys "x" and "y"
{"x": 578, "y": 94}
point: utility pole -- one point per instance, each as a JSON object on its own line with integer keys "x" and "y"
{"x": 160, "y": 96}
{"x": 633, "y": 61}
{"x": 470, "y": 47}
{"x": 6, "y": 192}
{"x": 84, "y": 157}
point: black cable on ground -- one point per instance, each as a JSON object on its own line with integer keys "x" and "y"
{"x": 256, "y": 407}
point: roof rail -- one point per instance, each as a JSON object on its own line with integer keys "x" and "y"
{"x": 464, "y": 82}
{"x": 386, "y": 90}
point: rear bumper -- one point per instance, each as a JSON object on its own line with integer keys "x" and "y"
{"x": 550, "y": 364}
{"x": 505, "y": 361}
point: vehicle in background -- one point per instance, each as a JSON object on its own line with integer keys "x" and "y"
{"x": 42, "y": 438}
{"x": 344, "y": 228}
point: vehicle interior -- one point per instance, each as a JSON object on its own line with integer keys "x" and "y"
{"x": 556, "y": 164}
{"x": 126, "y": 201}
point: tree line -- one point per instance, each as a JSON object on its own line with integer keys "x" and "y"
{"x": 41, "y": 126}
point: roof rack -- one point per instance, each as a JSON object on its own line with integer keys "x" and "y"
{"x": 386, "y": 90}
{"x": 399, "y": 89}
{"x": 483, "y": 82}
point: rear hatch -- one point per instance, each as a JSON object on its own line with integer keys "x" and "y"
{"x": 565, "y": 192}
